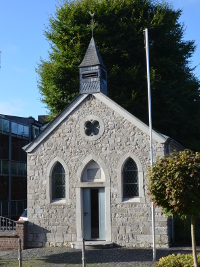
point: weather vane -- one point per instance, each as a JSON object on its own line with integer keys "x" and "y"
{"x": 92, "y": 22}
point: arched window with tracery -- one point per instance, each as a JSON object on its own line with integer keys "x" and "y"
{"x": 130, "y": 179}
{"x": 58, "y": 181}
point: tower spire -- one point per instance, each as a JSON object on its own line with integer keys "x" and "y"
{"x": 92, "y": 71}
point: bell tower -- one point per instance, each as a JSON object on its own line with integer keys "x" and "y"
{"x": 92, "y": 72}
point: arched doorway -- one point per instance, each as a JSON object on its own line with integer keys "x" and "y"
{"x": 94, "y": 204}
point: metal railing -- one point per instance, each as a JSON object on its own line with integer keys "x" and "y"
{"x": 17, "y": 168}
{"x": 7, "y": 225}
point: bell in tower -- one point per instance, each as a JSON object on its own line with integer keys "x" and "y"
{"x": 92, "y": 71}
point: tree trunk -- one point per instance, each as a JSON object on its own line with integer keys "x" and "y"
{"x": 194, "y": 242}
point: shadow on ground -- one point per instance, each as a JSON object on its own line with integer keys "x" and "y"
{"x": 115, "y": 255}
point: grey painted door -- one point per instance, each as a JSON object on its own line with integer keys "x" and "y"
{"x": 86, "y": 214}
{"x": 102, "y": 219}
{"x": 94, "y": 214}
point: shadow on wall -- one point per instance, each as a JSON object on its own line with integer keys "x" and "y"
{"x": 37, "y": 236}
{"x": 169, "y": 232}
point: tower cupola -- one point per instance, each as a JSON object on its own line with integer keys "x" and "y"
{"x": 92, "y": 72}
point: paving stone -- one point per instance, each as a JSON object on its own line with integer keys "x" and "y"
{"x": 65, "y": 256}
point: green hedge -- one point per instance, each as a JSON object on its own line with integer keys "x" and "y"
{"x": 181, "y": 260}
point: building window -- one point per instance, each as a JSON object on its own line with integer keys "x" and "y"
{"x": 92, "y": 128}
{"x": 4, "y": 126}
{"x": 19, "y": 130}
{"x": 130, "y": 179}
{"x": 58, "y": 182}
{"x": 35, "y": 131}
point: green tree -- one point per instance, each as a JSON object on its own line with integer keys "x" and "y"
{"x": 119, "y": 37}
{"x": 174, "y": 184}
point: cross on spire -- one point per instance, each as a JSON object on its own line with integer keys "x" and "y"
{"x": 92, "y": 24}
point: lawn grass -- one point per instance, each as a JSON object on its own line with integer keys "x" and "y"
{"x": 25, "y": 263}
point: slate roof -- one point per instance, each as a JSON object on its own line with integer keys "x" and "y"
{"x": 92, "y": 56}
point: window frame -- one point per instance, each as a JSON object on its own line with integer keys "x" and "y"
{"x": 94, "y": 136}
{"x": 50, "y": 169}
{"x": 52, "y": 182}
{"x": 123, "y": 177}
{"x": 33, "y": 131}
{"x": 120, "y": 180}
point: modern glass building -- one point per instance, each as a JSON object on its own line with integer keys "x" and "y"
{"x": 15, "y": 133}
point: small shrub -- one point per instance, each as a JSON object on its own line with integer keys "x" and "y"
{"x": 181, "y": 260}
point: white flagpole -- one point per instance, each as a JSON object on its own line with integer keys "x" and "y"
{"x": 150, "y": 133}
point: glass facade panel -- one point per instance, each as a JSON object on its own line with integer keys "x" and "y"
{"x": 25, "y": 169}
{"x": 4, "y": 146}
{"x": 26, "y": 132}
{"x": 14, "y": 128}
{"x": 18, "y": 154}
{"x": 20, "y": 207}
{"x": 1, "y": 125}
{"x": 5, "y": 167}
{"x": 14, "y": 168}
{"x": 58, "y": 181}
{"x": 18, "y": 188}
{"x": 21, "y": 168}
{"x": 5, "y": 126}
{"x": 4, "y": 209}
{"x": 20, "y": 130}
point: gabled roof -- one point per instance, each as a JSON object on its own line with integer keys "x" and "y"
{"x": 92, "y": 56}
{"x": 107, "y": 101}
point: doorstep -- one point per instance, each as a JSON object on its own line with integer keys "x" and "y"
{"x": 92, "y": 244}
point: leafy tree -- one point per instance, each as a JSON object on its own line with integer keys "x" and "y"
{"x": 119, "y": 37}
{"x": 174, "y": 184}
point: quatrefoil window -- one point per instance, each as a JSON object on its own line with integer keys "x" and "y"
{"x": 92, "y": 127}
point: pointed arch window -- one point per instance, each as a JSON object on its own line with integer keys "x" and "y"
{"x": 58, "y": 182}
{"x": 130, "y": 179}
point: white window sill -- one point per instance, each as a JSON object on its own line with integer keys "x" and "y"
{"x": 134, "y": 200}
{"x": 58, "y": 202}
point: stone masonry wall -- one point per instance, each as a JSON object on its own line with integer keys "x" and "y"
{"x": 52, "y": 224}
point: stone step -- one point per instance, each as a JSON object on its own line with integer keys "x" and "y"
{"x": 92, "y": 244}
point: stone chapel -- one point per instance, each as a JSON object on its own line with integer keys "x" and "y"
{"x": 86, "y": 171}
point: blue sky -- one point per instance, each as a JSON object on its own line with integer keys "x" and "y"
{"x": 22, "y": 43}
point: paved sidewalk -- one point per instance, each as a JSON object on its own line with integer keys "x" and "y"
{"x": 5, "y": 252}
{"x": 62, "y": 256}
